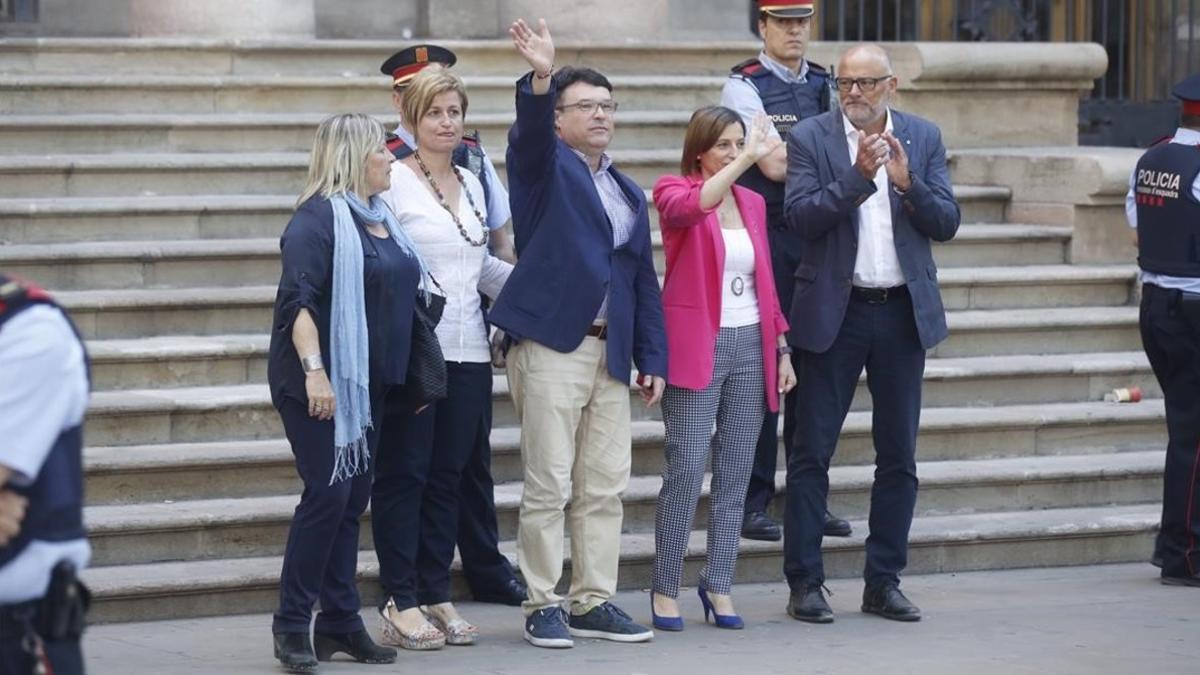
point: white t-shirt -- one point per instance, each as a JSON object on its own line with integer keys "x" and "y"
{"x": 462, "y": 270}
{"x": 739, "y": 296}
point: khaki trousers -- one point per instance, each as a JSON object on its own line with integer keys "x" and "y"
{"x": 575, "y": 446}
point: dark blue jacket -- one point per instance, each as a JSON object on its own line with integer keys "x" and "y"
{"x": 566, "y": 260}
{"x": 824, "y": 191}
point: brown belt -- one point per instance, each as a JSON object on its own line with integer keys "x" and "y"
{"x": 598, "y": 330}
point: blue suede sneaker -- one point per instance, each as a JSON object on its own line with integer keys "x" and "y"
{"x": 607, "y": 622}
{"x": 547, "y": 627}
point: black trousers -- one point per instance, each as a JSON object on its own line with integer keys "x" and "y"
{"x": 486, "y": 569}
{"x": 762, "y": 476}
{"x": 883, "y": 338}
{"x": 418, "y": 474}
{"x": 321, "y": 557}
{"x": 1170, "y": 326}
{"x": 65, "y": 656}
{"x": 786, "y": 247}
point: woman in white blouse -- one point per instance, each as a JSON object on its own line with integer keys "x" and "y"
{"x": 415, "y": 498}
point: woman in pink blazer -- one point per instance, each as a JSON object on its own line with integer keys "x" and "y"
{"x": 727, "y": 354}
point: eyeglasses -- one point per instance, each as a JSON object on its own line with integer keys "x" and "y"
{"x": 590, "y": 107}
{"x": 865, "y": 84}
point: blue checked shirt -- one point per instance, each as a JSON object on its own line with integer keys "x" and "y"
{"x": 621, "y": 214}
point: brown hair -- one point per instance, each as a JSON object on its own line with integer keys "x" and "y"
{"x": 704, "y": 129}
{"x": 427, "y": 85}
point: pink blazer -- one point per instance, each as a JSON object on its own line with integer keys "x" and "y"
{"x": 695, "y": 271}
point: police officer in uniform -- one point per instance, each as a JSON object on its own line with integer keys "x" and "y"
{"x": 788, "y": 88}
{"x": 488, "y": 571}
{"x": 1163, "y": 203}
{"x": 43, "y": 397}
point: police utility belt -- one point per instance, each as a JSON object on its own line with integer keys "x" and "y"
{"x": 56, "y": 616}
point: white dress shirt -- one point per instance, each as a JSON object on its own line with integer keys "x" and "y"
{"x": 462, "y": 270}
{"x": 43, "y": 392}
{"x": 876, "y": 264}
{"x": 497, "y": 211}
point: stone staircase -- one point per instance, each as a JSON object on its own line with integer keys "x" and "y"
{"x": 150, "y": 198}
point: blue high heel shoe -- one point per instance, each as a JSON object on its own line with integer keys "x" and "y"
{"x": 668, "y": 623}
{"x": 722, "y": 620}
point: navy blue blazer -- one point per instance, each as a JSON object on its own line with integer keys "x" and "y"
{"x": 566, "y": 262}
{"x": 823, "y": 194}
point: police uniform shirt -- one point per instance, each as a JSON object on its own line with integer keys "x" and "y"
{"x": 43, "y": 392}
{"x": 1189, "y": 284}
{"x": 498, "y": 211}
{"x": 741, "y": 96}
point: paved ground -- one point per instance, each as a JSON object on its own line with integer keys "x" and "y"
{"x": 1102, "y": 619}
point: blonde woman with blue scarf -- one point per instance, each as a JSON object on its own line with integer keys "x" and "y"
{"x": 340, "y": 339}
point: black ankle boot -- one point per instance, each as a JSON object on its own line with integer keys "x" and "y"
{"x": 358, "y": 645}
{"x": 295, "y": 652}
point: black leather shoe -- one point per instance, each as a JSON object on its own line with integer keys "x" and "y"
{"x": 836, "y": 527}
{"x": 758, "y": 525}
{"x": 512, "y": 594}
{"x": 358, "y": 645}
{"x": 808, "y": 604}
{"x": 295, "y": 652}
{"x": 887, "y": 601}
{"x": 1180, "y": 581}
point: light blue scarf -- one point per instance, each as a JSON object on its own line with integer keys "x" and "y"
{"x": 348, "y": 342}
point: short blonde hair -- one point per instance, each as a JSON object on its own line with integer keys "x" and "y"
{"x": 433, "y": 81}
{"x": 340, "y": 150}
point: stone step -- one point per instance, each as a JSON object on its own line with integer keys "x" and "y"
{"x": 114, "y": 313}
{"x": 1059, "y": 330}
{"x": 146, "y": 264}
{"x": 1024, "y": 286}
{"x": 950, "y": 543}
{"x": 206, "y": 56}
{"x": 34, "y": 94}
{"x": 268, "y": 132}
{"x": 136, "y": 217}
{"x": 1073, "y": 386}
{"x": 133, "y": 218}
{"x": 257, "y": 526}
{"x": 232, "y": 415}
{"x": 242, "y": 262}
{"x": 178, "y": 361}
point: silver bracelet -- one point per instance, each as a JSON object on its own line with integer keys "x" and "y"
{"x": 312, "y": 363}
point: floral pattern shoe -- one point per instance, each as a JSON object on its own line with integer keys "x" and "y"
{"x": 426, "y": 638}
{"x": 457, "y": 631}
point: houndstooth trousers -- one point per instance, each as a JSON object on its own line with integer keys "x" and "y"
{"x": 734, "y": 401}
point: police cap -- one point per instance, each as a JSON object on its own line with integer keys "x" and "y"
{"x": 786, "y": 9}
{"x": 1188, "y": 91}
{"x": 406, "y": 63}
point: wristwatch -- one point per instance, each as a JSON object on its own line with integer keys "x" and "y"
{"x": 783, "y": 350}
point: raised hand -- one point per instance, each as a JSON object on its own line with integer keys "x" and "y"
{"x": 897, "y": 163}
{"x": 537, "y": 48}
{"x": 760, "y": 142}
{"x": 872, "y": 154}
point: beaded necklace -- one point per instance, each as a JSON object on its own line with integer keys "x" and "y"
{"x": 462, "y": 231}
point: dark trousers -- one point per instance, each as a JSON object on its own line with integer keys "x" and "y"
{"x": 321, "y": 557}
{"x": 762, "y": 476}
{"x": 883, "y": 338}
{"x": 65, "y": 656}
{"x": 786, "y": 246}
{"x": 487, "y": 569}
{"x": 1170, "y": 326}
{"x": 418, "y": 474}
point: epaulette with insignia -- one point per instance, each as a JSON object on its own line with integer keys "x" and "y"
{"x": 1160, "y": 141}
{"x": 15, "y": 290}
{"x": 817, "y": 68}
{"x": 747, "y": 67}
{"x": 471, "y": 138}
